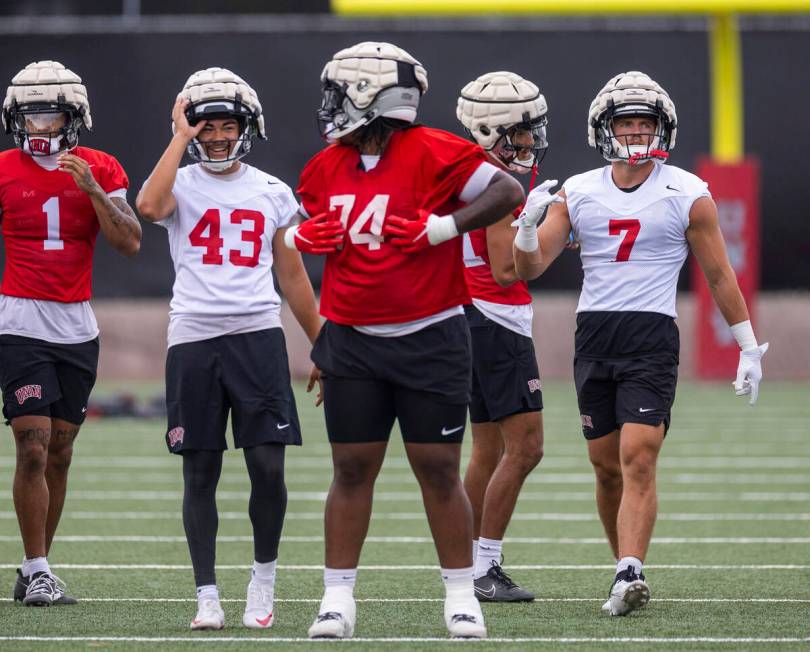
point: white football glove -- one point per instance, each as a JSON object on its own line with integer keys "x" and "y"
{"x": 749, "y": 372}
{"x": 536, "y": 203}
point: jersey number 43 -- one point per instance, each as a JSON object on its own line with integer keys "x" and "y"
{"x": 206, "y": 234}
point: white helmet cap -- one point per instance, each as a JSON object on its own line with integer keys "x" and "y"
{"x": 497, "y": 102}
{"x": 367, "y": 81}
{"x": 46, "y": 87}
{"x": 632, "y": 94}
{"x": 219, "y": 93}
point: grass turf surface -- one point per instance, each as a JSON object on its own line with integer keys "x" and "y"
{"x": 729, "y": 566}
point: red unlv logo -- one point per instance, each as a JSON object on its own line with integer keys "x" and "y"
{"x": 28, "y": 391}
{"x": 40, "y": 145}
{"x": 176, "y": 436}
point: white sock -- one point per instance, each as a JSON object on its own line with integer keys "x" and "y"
{"x": 475, "y": 550}
{"x": 458, "y": 583}
{"x": 207, "y": 592}
{"x": 265, "y": 572}
{"x": 338, "y": 588}
{"x": 489, "y": 553}
{"x": 35, "y": 565}
{"x": 339, "y": 577}
{"x": 625, "y": 562}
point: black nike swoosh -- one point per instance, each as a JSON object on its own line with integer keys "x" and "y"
{"x": 671, "y": 188}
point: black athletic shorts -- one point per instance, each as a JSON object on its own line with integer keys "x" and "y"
{"x": 46, "y": 379}
{"x": 246, "y": 375}
{"x": 421, "y": 379}
{"x": 505, "y": 377}
{"x": 625, "y": 370}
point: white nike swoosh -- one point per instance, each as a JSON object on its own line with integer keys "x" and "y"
{"x": 446, "y": 432}
{"x": 280, "y": 427}
{"x": 646, "y": 409}
{"x": 488, "y": 594}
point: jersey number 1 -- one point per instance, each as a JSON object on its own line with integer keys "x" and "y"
{"x": 51, "y": 210}
{"x": 616, "y": 228}
{"x": 206, "y": 233}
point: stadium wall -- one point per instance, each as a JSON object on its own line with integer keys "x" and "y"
{"x": 134, "y": 69}
{"x": 133, "y": 339}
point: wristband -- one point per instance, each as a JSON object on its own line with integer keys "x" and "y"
{"x": 289, "y": 237}
{"x": 744, "y": 334}
{"x": 526, "y": 239}
{"x": 441, "y": 229}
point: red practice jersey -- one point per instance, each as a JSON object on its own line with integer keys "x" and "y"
{"x": 369, "y": 281}
{"x": 478, "y": 272}
{"x": 50, "y": 226}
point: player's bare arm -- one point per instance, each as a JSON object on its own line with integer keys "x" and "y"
{"x": 155, "y": 201}
{"x": 549, "y": 242}
{"x": 502, "y": 196}
{"x": 706, "y": 242}
{"x": 499, "y": 248}
{"x": 117, "y": 220}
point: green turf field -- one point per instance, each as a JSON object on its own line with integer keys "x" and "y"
{"x": 729, "y": 566}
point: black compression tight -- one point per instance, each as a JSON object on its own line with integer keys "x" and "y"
{"x": 268, "y": 503}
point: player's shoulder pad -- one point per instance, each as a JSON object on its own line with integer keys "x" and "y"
{"x": 687, "y": 183}
{"x": 273, "y": 184}
{"x": 583, "y": 181}
{"x": 95, "y": 156}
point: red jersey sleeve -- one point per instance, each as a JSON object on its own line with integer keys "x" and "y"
{"x": 111, "y": 175}
{"x": 454, "y": 160}
{"x": 311, "y": 187}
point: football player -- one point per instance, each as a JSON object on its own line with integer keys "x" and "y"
{"x": 227, "y": 355}
{"x": 506, "y": 115}
{"x": 55, "y": 196}
{"x": 635, "y": 220}
{"x": 386, "y": 202}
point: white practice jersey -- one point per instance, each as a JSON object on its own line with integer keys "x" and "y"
{"x": 220, "y": 239}
{"x": 632, "y": 244}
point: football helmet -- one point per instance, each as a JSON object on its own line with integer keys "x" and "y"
{"x": 632, "y": 94}
{"x": 39, "y": 94}
{"x": 216, "y": 93}
{"x": 367, "y": 81}
{"x": 495, "y": 106}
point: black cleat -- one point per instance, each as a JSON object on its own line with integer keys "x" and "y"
{"x": 21, "y": 586}
{"x": 497, "y": 586}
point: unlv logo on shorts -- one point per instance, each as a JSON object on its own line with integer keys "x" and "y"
{"x": 175, "y": 436}
{"x": 28, "y": 391}
{"x": 587, "y": 422}
{"x": 534, "y": 385}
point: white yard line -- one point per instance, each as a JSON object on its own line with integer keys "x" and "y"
{"x": 417, "y": 600}
{"x": 269, "y": 640}
{"x": 590, "y": 541}
{"x": 425, "y": 567}
{"x": 397, "y": 496}
{"x": 420, "y": 516}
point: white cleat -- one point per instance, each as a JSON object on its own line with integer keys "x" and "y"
{"x": 335, "y": 621}
{"x": 209, "y": 616}
{"x": 464, "y": 619}
{"x": 259, "y": 608}
{"x": 628, "y": 593}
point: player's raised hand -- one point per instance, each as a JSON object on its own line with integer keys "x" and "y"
{"x": 315, "y": 377}
{"x": 536, "y": 203}
{"x": 322, "y": 234}
{"x": 749, "y": 372}
{"x": 416, "y": 234}
{"x": 80, "y": 170}
{"x": 181, "y": 126}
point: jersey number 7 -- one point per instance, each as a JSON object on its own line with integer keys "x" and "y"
{"x": 617, "y": 227}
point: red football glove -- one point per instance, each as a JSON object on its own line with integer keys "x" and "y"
{"x": 322, "y": 234}
{"x": 416, "y": 234}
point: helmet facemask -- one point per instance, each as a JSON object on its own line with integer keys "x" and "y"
{"x": 201, "y": 151}
{"x": 654, "y": 145}
{"x": 512, "y": 149}
{"x": 44, "y": 140}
